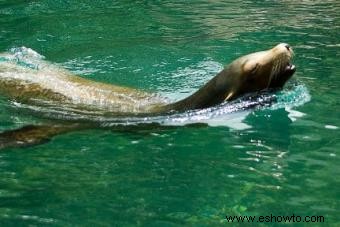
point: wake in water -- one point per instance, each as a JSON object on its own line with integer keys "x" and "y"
{"x": 229, "y": 114}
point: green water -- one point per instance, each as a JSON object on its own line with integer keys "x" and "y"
{"x": 286, "y": 161}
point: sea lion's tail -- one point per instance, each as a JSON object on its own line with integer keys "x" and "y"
{"x": 33, "y": 134}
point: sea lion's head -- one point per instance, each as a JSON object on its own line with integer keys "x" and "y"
{"x": 251, "y": 73}
{"x": 258, "y": 71}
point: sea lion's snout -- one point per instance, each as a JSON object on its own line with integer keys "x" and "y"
{"x": 282, "y": 67}
{"x": 284, "y": 48}
{"x": 287, "y": 46}
{"x": 289, "y": 49}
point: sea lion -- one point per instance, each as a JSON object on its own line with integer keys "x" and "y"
{"x": 53, "y": 85}
{"x": 50, "y": 85}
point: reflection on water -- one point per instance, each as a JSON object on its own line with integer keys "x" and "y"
{"x": 285, "y": 160}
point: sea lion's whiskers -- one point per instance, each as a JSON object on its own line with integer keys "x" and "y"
{"x": 271, "y": 75}
{"x": 279, "y": 65}
{"x": 274, "y": 71}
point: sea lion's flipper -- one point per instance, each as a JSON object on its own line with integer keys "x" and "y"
{"x": 33, "y": 134}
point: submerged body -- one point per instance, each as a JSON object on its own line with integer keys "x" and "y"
{"x": 49, "y": 85}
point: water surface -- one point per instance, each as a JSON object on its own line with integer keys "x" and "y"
{"x": 282, "y": 159}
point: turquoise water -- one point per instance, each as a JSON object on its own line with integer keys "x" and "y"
{"x": 280, "y": 160}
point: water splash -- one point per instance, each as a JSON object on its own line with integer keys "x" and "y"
{"x": 294, "y": 95}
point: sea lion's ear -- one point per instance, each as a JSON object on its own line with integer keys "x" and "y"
{"x": 250, "y": 66}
